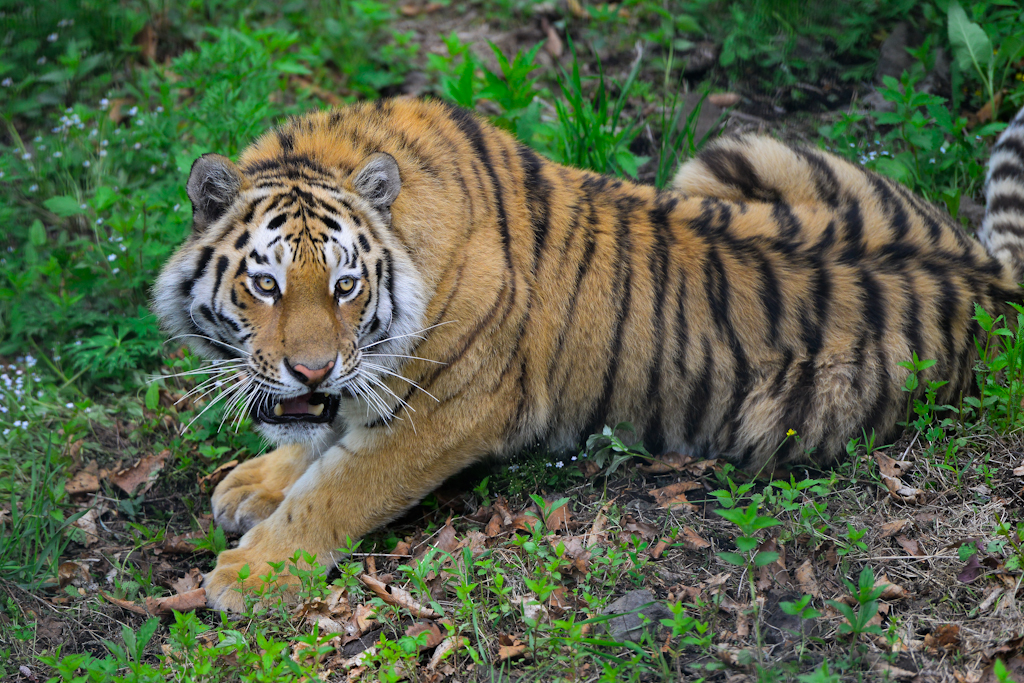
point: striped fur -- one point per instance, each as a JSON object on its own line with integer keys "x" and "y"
{"x": 519, "y": 300}
{"x": 1002, "y": 231}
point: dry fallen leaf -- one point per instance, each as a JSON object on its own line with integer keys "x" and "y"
{"x": 184, "y": 602}
{"x": 433, "y": 639}
{"x": 659, "y": 548}
{"x": 674, "y": 495}
{"x": 182, "y": 545}
{"x": 668, "y": 462}
{"x": 74, "y": 574}
{"x": 944, "y": 637}
{"x": 891, "y": 528}
{"x": 692, "y": 540}
{"x": 448, "y": 645}
{"x": 643, "y": 529}
{"x": 210, "y": 481}
{"x": 189, "y": 582}
{"x": 397, "y": 597}
{"x": 509, "y": 648}
{"x": 87, "y": 523}
{"x": 890, "y": 471}
{"x": 83, "y": 482}
{"x": 141, "y": 473}
{"x": 553, "y": 44}
{"x": 494, "y": 526}
{"x": 911, "y": 546}
{"x": 806, "y": 580}
{"x": 125, "y": 604}
{"x": 559, "y": 519}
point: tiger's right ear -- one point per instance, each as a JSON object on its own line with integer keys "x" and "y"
{"x": 212, "y": 186}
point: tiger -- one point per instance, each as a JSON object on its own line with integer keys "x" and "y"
{"x": 393, "y": 290}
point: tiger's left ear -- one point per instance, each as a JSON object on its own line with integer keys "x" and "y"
{"x": 378, "y": 182}
{"x": 213, "y": 185}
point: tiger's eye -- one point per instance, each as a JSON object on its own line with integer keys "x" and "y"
{"x": 345, "y": 285}
{"x": 265, "y": 284}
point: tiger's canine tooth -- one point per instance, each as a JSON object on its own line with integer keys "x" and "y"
{"x": 279, "y": 410}
{"x": 315, "y": 411}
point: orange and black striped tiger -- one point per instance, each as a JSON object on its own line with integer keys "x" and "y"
{"x": 395, "y": 289}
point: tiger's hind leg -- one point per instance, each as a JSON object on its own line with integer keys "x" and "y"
{"x": 254, "y": 489}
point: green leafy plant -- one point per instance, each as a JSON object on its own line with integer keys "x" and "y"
{"x": 866, "y": 594}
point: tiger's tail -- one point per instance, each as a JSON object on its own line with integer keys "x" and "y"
{"x": 1002, "y": 231}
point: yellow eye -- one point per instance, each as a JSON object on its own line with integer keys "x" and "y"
{"x": 345, "y": 285}
{"x": 265, "y": 284}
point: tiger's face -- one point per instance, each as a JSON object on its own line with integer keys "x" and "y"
{"x": 290, "y": 283}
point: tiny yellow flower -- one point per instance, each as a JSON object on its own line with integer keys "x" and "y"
{"x": 791, "y": 432}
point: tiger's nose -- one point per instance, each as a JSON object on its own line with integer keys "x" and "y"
{"x": 310, "y": 377}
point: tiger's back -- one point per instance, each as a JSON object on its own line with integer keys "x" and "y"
{"x": 518, "y": 300}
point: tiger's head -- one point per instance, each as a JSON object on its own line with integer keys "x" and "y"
{"x": 293, "y": 283}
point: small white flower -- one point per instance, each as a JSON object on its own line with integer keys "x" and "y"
{"x": 115, "y": 271}
{"x": 7, "y": 82}
{"x": 86, "y": 163}
{"x": 103, "y": 152}
{"x": 52, "y": 37}
{"x": 58, "y": 155}
{"x": 6, "y": 432}
{"x": 137, "y": 145}
{"x": 159, "y": 110}
{"x": 94, "y": 132}
{"x": 133, "y": 111}
{"x": 152, "y": 170}
{"x": 88, "y": 410}
{"x": 122, "y": 247}
{"x": 41, "y": 61}
{"x": 78, "y": 342}
{"x": 33, "y": 188}
{"x": 176, "y": 207}
{"x": 559, "y": 464}
{"x": 83, "y": 206}
{"x": 26, "y": 156}
{"x": 69, "y": 406}
{"x": 99, "y": 221}
{"x": 104, "y": 143}
{"x": 111, "y": 257}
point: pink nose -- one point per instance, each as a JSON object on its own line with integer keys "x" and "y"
{"x": 313, "y": 376}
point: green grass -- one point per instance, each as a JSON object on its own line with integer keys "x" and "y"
{"x": 97, "y": 141}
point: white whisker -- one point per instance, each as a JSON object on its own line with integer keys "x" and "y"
{"x": 418, "y": 334}
{"x": 385, "y": 371}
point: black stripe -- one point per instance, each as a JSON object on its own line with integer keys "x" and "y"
{"x": 277, "y": 221}
{"x": 467, "y": 123}
{"x": 700, "y": 399}
{"x": 1006, "y": 202}
{"x": 363, "y": 242}
{"x": 242, "y": 240}
{"x": 1007, "y": 170}
{"x": 897, "y": 216}
{"x": 658, "y": 259}
{"x": 771, "y": 296}
{"x": 733, "y": 168}
{"x": 287, "y": 141}
{"x": 538, "y": 197}
{"x": 825, "y": 181}
{"x": 185, "y": 287}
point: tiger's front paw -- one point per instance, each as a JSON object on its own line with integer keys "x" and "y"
{"x": 239, "y": 506}
{"x": 254, "y": 489}
{"x": 224, "y": 590}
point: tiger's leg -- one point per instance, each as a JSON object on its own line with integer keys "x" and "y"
{"x": 343, "y": 494}
{"x": 254, "y": 489}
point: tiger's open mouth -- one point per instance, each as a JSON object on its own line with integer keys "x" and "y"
{"x": 310, "y": 408}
